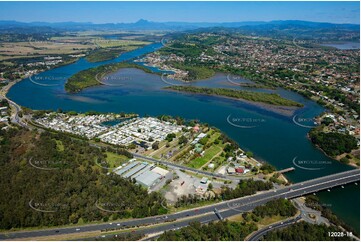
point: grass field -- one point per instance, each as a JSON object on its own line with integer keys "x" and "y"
{"x": 11, "y": 50}
{"x": 63, "y": 45}
{"x": 208, "y": 155}
{"x": 103, "y": 43}
{"x": 115, "y": 160}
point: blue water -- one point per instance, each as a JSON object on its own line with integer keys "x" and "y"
{"x": 344, "y": 45}
{"x": 275, "y": 138}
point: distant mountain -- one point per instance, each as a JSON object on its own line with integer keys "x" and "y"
{"x": 149, "y": 25}
{"x": 287, "y": 29}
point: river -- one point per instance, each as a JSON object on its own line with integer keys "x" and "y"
{"x": 272, "y": 137}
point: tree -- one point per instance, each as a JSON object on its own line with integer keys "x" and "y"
{"x": 182, "y": 140}
{"x": 155, "y": 145}
{"x": 249, "y": 154}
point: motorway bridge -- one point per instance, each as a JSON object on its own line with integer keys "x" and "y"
{"x": 203, "y": 214}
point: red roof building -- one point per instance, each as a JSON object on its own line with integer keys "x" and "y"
{"x": 239, "y": 170}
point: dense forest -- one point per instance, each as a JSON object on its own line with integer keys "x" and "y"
{"x": 51, "y": 179}
{"x": 268, "y": 98}
{"x": 245, "y": 188}
{"x": 333, "y": 144}
{"x": 222, "y": 230}
{"x": 303, "y": 231}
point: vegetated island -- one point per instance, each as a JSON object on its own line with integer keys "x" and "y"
{"x": 111, "y": 49}
{"x": 92, "y": 77}
{"x": 268, "y": 98}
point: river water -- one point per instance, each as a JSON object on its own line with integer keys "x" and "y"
{"x": 273, "y": 137}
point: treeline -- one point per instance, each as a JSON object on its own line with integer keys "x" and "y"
{"x": 333, "y": 144}
{"x": 51, "y": 179}
{"x": 220, "y": 231}
{"x": 304, "y": 231}
{"x": 245, "y": 188}
{"x": 268, "y": 98}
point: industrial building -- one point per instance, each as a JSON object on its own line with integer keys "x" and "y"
{"x": 145, "y": 174}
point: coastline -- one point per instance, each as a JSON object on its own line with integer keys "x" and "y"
{"x": 334, "y": 158}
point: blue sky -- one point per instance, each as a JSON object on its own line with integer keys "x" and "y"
{"x": 116, "y": 12}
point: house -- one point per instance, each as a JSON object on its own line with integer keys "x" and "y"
{"x": 239, "y": 170}
{"x": 231, "y": 170}
{"x": 196, "y": 128}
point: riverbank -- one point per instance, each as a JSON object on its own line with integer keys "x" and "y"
{"x": 339, "y": 157}
{"x": 276, "y": 141}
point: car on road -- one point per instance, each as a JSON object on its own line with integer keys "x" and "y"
{"x": 77, "y": 229}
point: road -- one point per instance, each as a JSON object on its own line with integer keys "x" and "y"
{"x": 181, "y": 167}
{"x": 258, "y": 234}
{"x": 206, "y": 213}
{"x": 14, "y": 116}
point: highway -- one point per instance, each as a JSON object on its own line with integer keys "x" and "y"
{"x": 206, "y": 213}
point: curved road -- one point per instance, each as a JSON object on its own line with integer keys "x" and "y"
{"x": 258, "y": 234}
